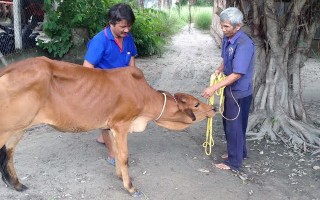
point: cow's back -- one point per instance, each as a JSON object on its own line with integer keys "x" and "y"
{"x": 70, "y": 96}
{"x": 88, "y": 97}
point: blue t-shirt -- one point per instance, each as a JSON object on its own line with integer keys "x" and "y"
{"x": 104, "y": 53}
{"x": 238, "y": 57}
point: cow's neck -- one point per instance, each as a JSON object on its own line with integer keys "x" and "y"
{"x": 167, "y": 104}
{"x": 155, "y": 109}
{"x": 172, "y": 117}
{"x": 163, "y": 106}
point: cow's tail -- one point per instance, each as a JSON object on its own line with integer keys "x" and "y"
{"x": 3, "y": 166}
{"x": 8, "y": 178}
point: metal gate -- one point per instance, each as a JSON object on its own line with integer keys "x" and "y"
{"x": 20, "y": 23}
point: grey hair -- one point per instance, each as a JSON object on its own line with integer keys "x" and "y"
{"x": 233, "y": 15}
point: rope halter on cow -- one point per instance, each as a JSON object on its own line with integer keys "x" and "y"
{"x": 163, "y": 107}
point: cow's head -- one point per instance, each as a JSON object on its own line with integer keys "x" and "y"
{"x": 193, "y": 107}
{"x": 186, "y": 111}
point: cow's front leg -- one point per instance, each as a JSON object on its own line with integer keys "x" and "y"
{"x": 121, "y": 141}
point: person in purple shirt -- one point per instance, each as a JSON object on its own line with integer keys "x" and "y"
{"x": 112, "y": 48}
{"x": 237, "y": 65}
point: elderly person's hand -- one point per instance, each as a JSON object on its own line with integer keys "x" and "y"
{"x": 209, "y": 91}
{"x": 217, "y": 72}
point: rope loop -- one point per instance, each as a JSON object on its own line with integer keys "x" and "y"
{"x": 214, "y": 79}
{"x": 163, "y": 107}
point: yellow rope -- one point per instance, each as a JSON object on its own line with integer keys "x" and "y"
{"x": 214, "y": 79}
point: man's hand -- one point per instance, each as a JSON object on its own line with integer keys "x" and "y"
{"x": 87, "y": 64}
{"x": 209, "y": 91}
{"x": 217, "y": 72}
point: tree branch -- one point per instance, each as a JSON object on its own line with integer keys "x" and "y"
{"x": 291, "y": 22}
{"x": 272, "y": 25}
{"x": 256, "y": 20}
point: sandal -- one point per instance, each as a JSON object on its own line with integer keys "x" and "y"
{"x": 111, "y": 161}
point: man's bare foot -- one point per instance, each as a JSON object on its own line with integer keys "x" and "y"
{"x": 224, "y": 156}
{"x": 222, "y": 166}
{"x": 100, "y": 139}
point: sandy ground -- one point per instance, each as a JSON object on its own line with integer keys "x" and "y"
{"x": 164, "y": 164}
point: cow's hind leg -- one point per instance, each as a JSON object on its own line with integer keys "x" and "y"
{"x": 7, "y": 170}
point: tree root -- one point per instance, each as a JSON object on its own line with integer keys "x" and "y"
{"x": 295, "y": 134}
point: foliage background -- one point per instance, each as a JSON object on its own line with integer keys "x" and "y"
{"x": 151, "y": 30}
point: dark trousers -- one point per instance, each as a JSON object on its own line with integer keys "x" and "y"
{"x": 235, "y": 130}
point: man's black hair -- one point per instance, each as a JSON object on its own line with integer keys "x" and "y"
{"x": 120, "y": 12}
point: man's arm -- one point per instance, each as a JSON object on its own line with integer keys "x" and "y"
{"x": 132, "y": 62}
{"x": 87, "y": 64}
{"x": 209, "y": 91}
{"x": 219, "y": 69}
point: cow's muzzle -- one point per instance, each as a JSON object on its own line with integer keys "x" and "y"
{"x": 214, "y": 109}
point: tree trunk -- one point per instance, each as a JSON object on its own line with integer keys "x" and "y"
{"x": 283, "y": 32}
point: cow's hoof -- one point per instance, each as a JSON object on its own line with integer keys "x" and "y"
{"x": 20, "y": 187}
{"x": 17, "y": 186}
{"x": 137, "y": 194}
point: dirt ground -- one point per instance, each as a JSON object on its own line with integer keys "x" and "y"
{"x": 165, "y": 164}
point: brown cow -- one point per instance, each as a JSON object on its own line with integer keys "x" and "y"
{"x": 74, "y": 98}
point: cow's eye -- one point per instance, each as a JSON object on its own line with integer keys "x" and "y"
{"x": 197, "y": 105}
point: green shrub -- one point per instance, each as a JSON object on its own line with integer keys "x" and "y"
{"x": 198, "y": 2}
{"x": 90, "y": 14}
{"x": 201, "y": 16}
{"x": 152, "y": 29}
{"x": 60, "y": 36}
{"x": 203, "y": 20}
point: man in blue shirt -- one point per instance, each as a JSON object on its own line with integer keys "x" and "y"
{"x": 237, "y": 65}
{"x": 112, "y": 48}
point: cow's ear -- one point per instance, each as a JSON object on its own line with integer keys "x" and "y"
{"x": 189, "y": 112}
{"x": 180, "y": 97}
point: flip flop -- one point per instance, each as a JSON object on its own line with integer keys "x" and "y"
{"x": 111, "y": 161}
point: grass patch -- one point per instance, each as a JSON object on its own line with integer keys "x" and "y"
{"x": 153, "y": 28}
{"x": 203, "y": 20}
{"x": 200, "y": 16}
